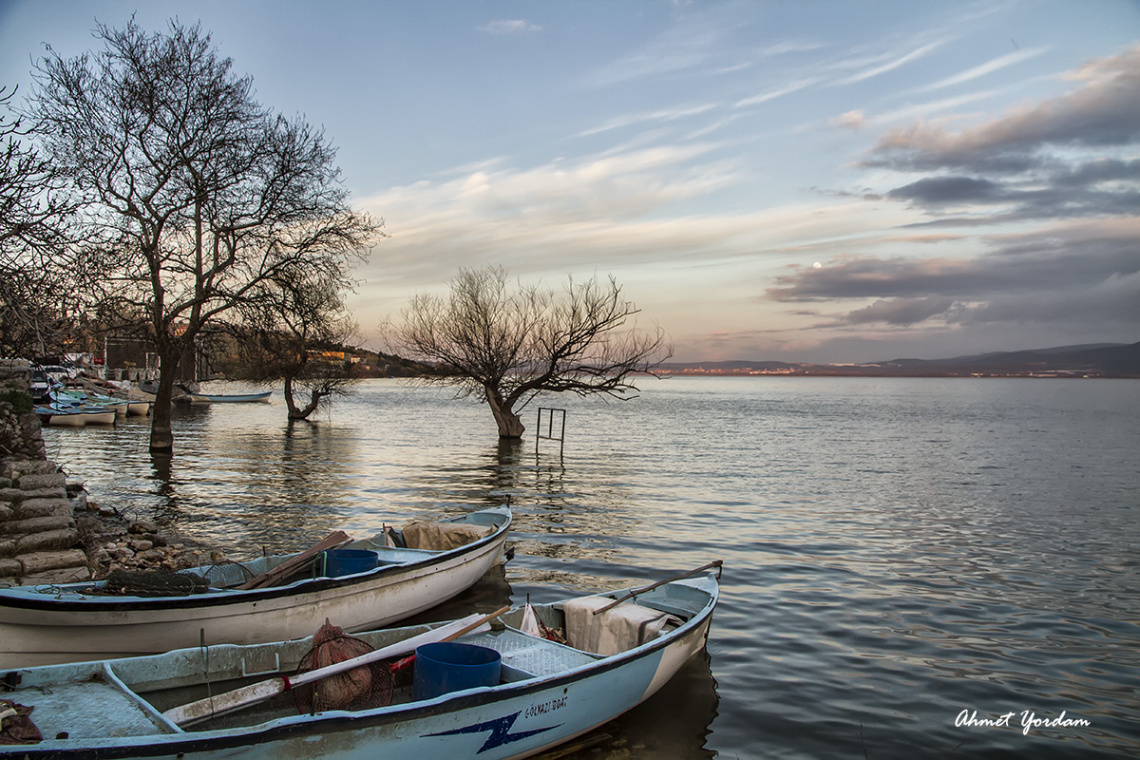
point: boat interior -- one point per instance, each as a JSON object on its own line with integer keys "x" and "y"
{"x": 415, "y": 541}
{"x": 127, "y": 698}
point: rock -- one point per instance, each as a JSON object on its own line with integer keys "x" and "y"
{"x": 151, "y": 556}
{"x": 140, "y": 545}
{"x": 37, "y": 482}
{"x": 64, "y": 575}
{"x": 43, "y": 507}
{"x": 49, "y": 540}
{"x": 34, "y": 525}
{"x": 141, "y": 526}
{"x": 40, "y": 562}
{"x": 121, "y": 554}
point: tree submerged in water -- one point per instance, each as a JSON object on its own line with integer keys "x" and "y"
{"x": 201, "y": 195}
{"x": 293, "y": 331}
{"x": 506, "y": 347}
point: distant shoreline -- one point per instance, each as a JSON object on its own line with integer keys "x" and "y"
{"x": 1100, "y": 361}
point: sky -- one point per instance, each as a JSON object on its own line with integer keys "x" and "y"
{"x": 814, "y": 181}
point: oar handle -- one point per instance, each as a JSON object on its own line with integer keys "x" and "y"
{"x": 263, "y": 690}
{"x": 635, "y": 592}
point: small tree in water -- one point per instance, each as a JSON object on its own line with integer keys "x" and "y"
{"x": 506, "y": 347}
{"x": 200, "y": 193}
{"x": 285, "y": 330}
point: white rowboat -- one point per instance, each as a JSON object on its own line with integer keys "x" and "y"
{"x": 64, "y": 623}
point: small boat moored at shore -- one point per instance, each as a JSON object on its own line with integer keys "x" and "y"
{"x": 239, "y": 603}
{"x": 542, "y": 694}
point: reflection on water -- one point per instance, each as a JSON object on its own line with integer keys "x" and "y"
{"x": 895, "y": 551}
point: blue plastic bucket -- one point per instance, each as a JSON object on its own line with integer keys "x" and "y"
{"x": 445, "y": 666}
{"x": 348, "y": 561}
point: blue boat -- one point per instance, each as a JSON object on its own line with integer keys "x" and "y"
{"x": 544, "y": 693}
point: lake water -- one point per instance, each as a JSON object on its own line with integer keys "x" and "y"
{"x": 900, "y": 555}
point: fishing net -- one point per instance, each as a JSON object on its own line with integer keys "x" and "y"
{"x": 151, "y": 583}
{"x": 360, "y": 688}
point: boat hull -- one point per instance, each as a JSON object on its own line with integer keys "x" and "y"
{"x": 106, "y": 417}
{"x": 138, "y": 408}
{"x": 239, "y": 398}
{"x": 66, "y": 419}
{"x": 40, "y": 629}
{"x": 528, "y": 714}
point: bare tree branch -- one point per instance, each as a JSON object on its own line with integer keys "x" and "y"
{"x": 509, "y": 346}
{"x": 202, "y": 193}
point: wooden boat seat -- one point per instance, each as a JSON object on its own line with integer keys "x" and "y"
{"x": 527, "y": 656}
{"x": 95, "y": 708}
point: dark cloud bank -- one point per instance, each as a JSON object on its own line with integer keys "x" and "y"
{"x": 1051, "y": 190}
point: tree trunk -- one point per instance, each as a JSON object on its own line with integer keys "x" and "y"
{"x": 301, "y": 413}
{"x": 510, "y": 425}
{"x": 161, "y": 433}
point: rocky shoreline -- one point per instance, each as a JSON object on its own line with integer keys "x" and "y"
{"x": 112, "y": 542}
{"x": 50, "y": 532}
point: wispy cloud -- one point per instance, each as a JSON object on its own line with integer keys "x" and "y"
{"x": 509, "y": 26}
{"x": 778, "y": 92}
{"x": 989, "y": 67}
{"x": 662, "y": 115}
{"x": 892, "y": 64}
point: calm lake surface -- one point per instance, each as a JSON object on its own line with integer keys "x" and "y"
{"x": 899, "y": 555}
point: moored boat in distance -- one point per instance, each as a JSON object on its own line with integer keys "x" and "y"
{"x": 265, "y": 599}
{"x": 229, "y": 398}
{"x": 542, "y": 694}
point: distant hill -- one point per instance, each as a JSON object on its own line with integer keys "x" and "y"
{"x": 1107, "y": 360}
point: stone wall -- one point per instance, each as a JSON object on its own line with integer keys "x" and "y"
{"x": 39, "y": 541}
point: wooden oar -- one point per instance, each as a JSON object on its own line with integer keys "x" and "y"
{"x": 263, "y": 690}
{"x": 293, "y": 563}
{"x": 635, "y": 592}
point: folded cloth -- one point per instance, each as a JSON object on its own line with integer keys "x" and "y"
{"x": 616, "y": 630}
{"x": 443, "y": 536}
{"x": 16, "y": 727}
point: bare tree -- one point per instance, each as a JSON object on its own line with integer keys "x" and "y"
{"x": 294, "y": 330}
{"x": 35, "y": 298}
{"x": 509, "y": 346}
{"x": 202, "y": 192}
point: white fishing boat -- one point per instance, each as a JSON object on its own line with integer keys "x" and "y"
{"x": 203, "y": 703}
{"x": 74, "y": 415}
{"x": 265, "y": 599}
{"x": 230, "y": 398}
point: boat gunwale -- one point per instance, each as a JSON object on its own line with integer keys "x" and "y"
{"x": 47, "y": 600}
{"x": 188, "y": 742}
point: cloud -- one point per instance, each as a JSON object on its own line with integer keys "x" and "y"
{"x": 891, "y": 65}
{"x": 509, "y": 27}
{"x": 779, "y": 92}
{"x": 989, "y": 67}
{"x": 850, "y": 120}
{"x": 1103, "y": 112}
{"x": 1077, "y": 271}
{"x": 902, "y": 311}
{"x": 680, "y": 49}
{"x": 661, "y": 115}
{"x": 1070, "y": 156}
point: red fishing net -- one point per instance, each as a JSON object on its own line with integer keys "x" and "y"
{"x": 359, "y": 688}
